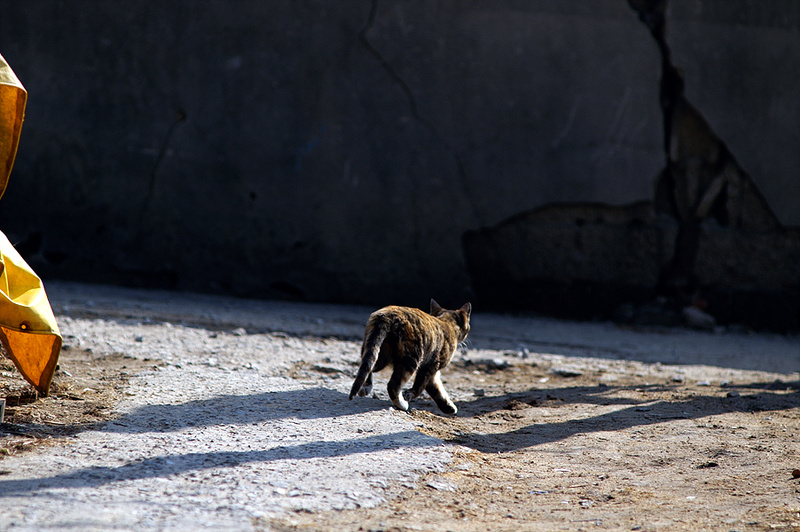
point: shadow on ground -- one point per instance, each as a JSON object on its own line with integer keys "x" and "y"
{"x": 306, "y": 403}
{"x": 774, "y": 396}
{"x": 166, "y": 466}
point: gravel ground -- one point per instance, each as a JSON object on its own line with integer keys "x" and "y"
{"x": 238, "y": 417}
{"x": 215, "y": 435}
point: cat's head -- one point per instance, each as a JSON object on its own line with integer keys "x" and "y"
{"x": 460, "y": 317}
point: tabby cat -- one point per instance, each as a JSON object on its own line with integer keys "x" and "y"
{"x": 412, "y": 342}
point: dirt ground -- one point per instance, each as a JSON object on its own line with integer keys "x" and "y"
{"x": 84, "y": 391}
{"x": 541, "y": 443}
{"x": 572, "y": 452}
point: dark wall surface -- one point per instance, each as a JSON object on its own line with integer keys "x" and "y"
{"x": 339, "y": 151}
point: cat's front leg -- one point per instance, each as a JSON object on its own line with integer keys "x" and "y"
{"x": 424, "y": 375}
{"x": 409, "y": 395}
{"x": 437, "y": 392}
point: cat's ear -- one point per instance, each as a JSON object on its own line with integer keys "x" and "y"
{"x": 466, "y": 309}
{"x": 435, "y": 307}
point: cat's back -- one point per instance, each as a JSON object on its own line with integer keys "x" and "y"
{"x": 396, "y": 313}
{"x": 408, "y": 329}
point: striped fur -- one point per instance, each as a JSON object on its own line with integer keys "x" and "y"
{"x": 415, "y": 344}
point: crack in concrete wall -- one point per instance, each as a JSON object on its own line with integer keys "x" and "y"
{"x": 708, "y": 240}
{"x": 180, "y": 117}
{"x": 463, "y": 180}
{"x": 701, "y": 179}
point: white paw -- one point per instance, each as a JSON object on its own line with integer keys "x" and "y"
{"x": 401, "y": 403}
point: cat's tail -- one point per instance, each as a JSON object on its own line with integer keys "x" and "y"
{"x": 377, "y": 329}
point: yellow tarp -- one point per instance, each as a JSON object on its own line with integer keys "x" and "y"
{"x": 12, "y": 109}
{"x": 28, "y": 328}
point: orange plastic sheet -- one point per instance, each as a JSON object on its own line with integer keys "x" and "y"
{"x": 28, "y": 329}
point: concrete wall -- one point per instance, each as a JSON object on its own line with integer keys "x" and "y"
{"x": 339, "y": 150}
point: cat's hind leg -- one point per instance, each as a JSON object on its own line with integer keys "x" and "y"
{"x": 399, "y": 377}
{"x": 437, "y": 392}
{"x": 383, "y": 361}
{"x": 367, "y": 388}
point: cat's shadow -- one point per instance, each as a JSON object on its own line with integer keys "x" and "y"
{"x": 626, "y": 413}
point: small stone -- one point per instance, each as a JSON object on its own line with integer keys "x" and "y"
{"x": 733, "y": 393}
{"x": 566, "y": 372}
{"x": 240, "y": 331}
{"x": 497, "y": 363}
{"x": 697, "y": 319}
{"x": 479, "y": 392}
{"x": 516, "y": 404}
{"x": 441, "y": 485}
{"x": 796, "y": 473}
